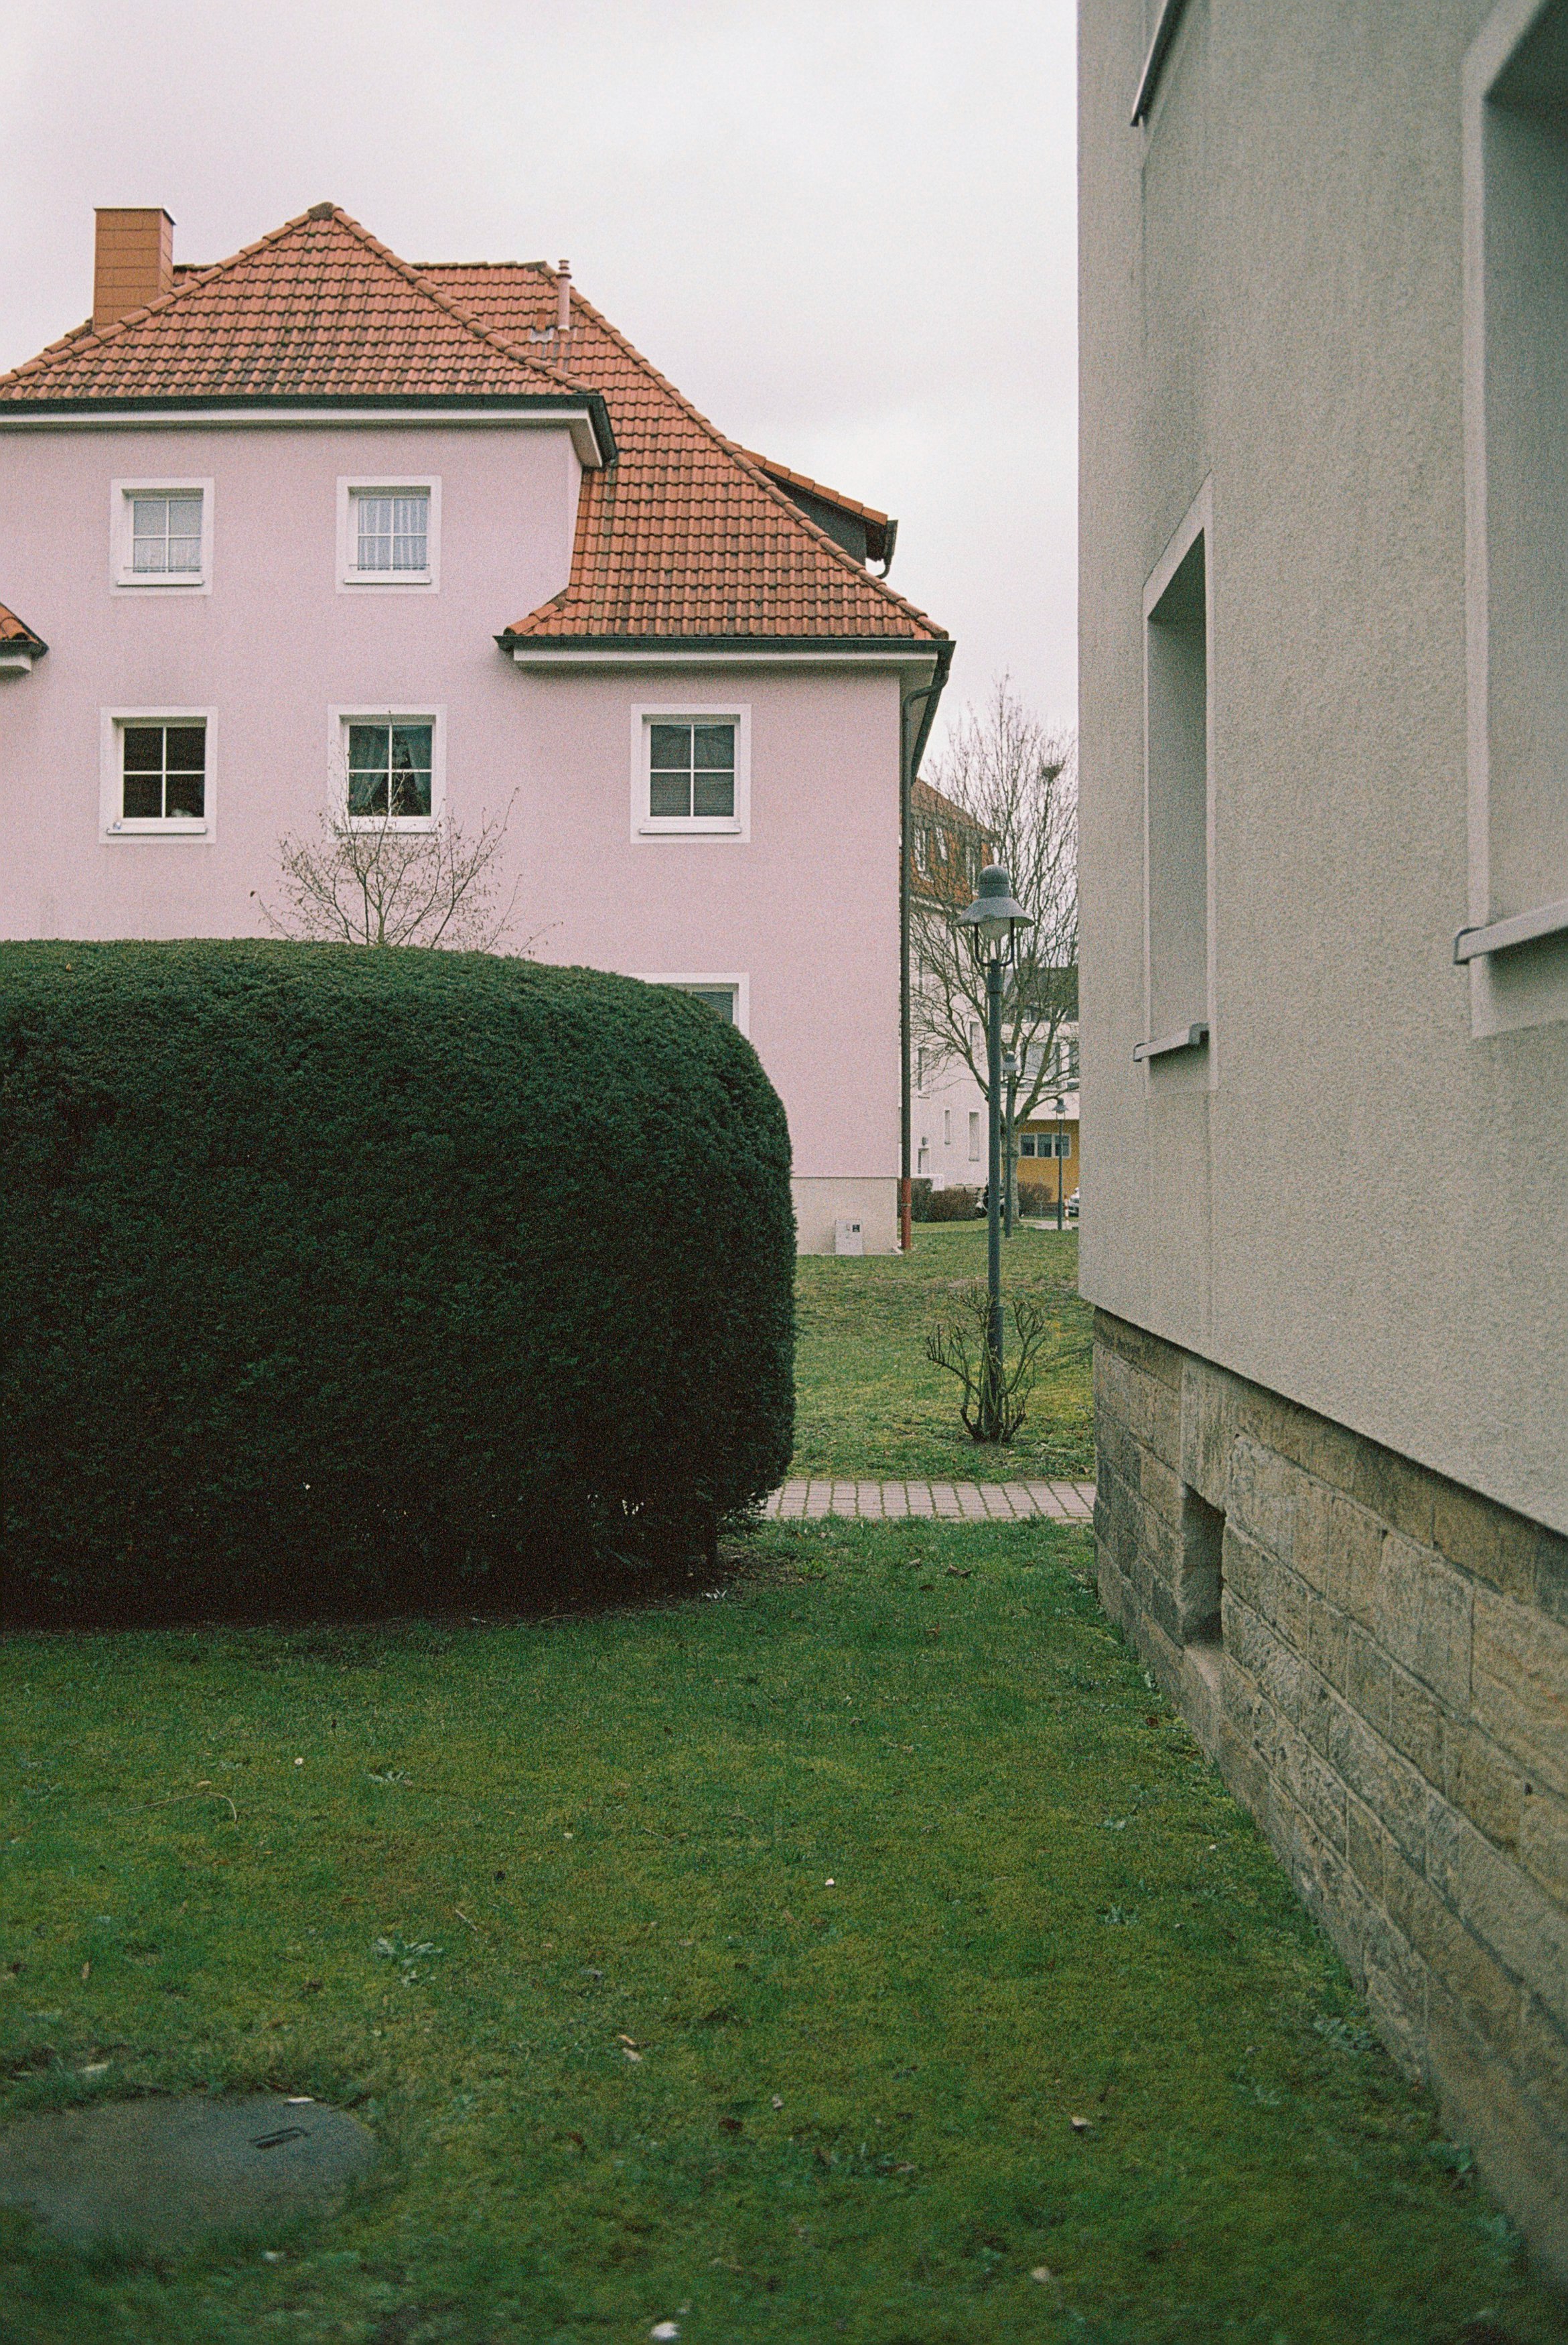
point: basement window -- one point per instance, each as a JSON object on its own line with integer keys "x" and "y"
{"x": 1200, "y": 1586}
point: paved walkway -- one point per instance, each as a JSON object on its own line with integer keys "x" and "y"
{"x": 952, "y": 1502}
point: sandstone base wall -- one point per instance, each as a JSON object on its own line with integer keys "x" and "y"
{"x": 1378, "y": 1661}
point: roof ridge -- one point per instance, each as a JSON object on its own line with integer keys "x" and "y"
{"x": 78, "y": 342}
{"x": 733, "y": 449}
{"x": 405, "y": 268}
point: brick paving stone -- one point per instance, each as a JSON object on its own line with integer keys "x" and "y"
{"x": 807, "y": 1498}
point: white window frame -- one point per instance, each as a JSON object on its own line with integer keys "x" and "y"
{"x": 646, "y": 825}
{"x": 113, "y": 824}
{"x": 413, "y": 712}
{"x": 351, "y": 579}
{"x": 708, "y": 981}
{"x": 123, "y": 579}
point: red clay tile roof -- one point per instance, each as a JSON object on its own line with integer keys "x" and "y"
{"x": 684, "y": 535}
{"x": 319, "y": 308}
{"x": 16, "y": 635}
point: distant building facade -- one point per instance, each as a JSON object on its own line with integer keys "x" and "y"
{"x": 1324, "y": 778}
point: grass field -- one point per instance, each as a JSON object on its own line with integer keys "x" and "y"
{"x": 798, "y": 1924}
{"x": 868, "y": 1400}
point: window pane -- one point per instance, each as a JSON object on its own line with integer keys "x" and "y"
{"x": 149, "y": 554}
{"x": 714, "y": 793}
{"x": 186, "y": 795}
{"x": 720, "y": 1000}
{"x": 409, "y": 553}
{"x": 671, "y": 746}
{"x": 149, "y": 516}
{"x": 185, "y": 554}
{"x": 367, "y": 793}
{"x": 144, "y": 748}
{"x": 186, "y": 748}
{"x": 715, "y": 746}
{"x": 375, "y": 519}
{"x": 144, "y": 796}
{"x": 670, "y": 795}
{"x": 184, "y": 516}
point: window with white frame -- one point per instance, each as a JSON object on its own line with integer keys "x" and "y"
{"x": 389, "y": 765}
{"x": 161, "y": 533}
{"x": 388, "y": 532}
{"x": 690, "y": 773}
{"x": 156, "y": 773}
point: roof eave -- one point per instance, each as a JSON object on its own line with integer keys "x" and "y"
{"x": 596, "y": 445}
{"x": 931, "y": 656}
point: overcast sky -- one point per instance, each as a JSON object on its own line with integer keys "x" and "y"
{"x": 844, "y": 227}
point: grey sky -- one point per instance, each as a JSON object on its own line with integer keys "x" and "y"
{"x": 846, "y": 231}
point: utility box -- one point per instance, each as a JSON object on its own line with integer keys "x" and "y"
{"x": 847, "y": 1238}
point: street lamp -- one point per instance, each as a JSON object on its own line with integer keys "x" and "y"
{"x": 993, "y": 920}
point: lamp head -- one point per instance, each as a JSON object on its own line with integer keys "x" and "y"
{"x": 993, "y": 919}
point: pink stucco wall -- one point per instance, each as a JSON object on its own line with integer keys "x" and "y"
{"x": 805, "y": 908}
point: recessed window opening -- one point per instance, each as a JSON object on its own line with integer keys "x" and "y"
{"x": 1200, "y": 1589}
{"x": 392, "y": 532}
{"x": 390, "y": 769}
{"x": 166, "y": 535}
{"x": 691, "y": 769}
{"x": 163, "y": 772}
{"x": 1177, "y": 805}
{"x": 1524, "y": 164}
{"x": 974, "y": 1136}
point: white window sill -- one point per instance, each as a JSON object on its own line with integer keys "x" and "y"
{"x": 425, "y": 578}
{"x": 164, "y": 827}
{"x": 1523, "y": 928}
{"x": 192, "y": 581}
{"x": 687, "y": 827}
{"x": 1186, "y": 1038}
{"x": 413, "y": 825}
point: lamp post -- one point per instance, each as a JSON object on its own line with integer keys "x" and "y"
{"x": 1010, "y": 1076}
{"x": 993, "y": 920}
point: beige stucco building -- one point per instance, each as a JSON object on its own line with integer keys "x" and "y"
{"x": 1324, "y": 280}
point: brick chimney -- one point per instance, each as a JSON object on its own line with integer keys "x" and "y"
{"x": 133, "y": 263}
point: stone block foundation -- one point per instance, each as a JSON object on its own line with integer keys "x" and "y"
{"x": 1378, "y": 1661}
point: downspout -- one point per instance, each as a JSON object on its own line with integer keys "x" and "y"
{"x": 911, "y": 745}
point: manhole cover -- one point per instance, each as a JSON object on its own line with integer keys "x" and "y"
{"x": 164, "y": 2171}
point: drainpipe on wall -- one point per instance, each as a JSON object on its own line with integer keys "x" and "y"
{"x": 911, "y": 742}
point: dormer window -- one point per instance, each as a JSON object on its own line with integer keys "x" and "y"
{"x": 161, "y": 534}
{"x": 387, "y": 533}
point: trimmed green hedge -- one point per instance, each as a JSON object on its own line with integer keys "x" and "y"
{"x": 307, "y": 1295}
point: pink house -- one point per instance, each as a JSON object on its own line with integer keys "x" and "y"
{"x": 314, "y": 514}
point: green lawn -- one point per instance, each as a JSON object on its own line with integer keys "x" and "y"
{"x": 887, "y": 1863}
{"x": 868, "y": 1400}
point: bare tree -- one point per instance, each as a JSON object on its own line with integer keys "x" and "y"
{"x": 366, "y": 880}
{"x": 1014, "y": 781}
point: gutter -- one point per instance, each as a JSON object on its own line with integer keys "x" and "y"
{"x": 911, "y": 750}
